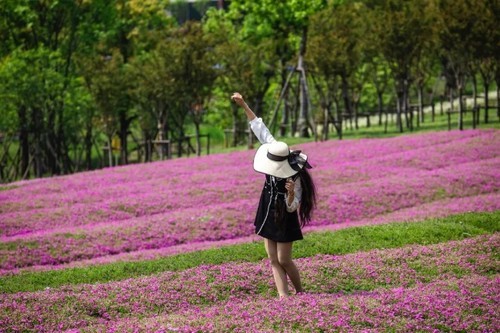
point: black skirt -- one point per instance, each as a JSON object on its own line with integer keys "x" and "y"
{"x": 266, "y": 225}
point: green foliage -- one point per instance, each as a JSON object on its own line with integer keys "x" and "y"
{"x": 334, "y": 39}
{"x": 77, "y": 72}
{"x": 468, "y": 38}
{"x": 339, "y": 242}
{"x": 268, "y": 17}
{"x": 8, "y": 112}
{"x": 31, "y": 80}
{"x": 403, "y": 27}
{"x": 246, "y": 63}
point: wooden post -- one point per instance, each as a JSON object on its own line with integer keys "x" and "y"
{"x": 164, "y": 145}
{"x": 107, "y": 149}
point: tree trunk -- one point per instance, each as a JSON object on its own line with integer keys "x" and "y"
{"x": 399, "y": 105}
{"x": 380, "y": 106}
{"x": 123, "y": 133}
{"x": 486, "y": 101}
{"x": 451, "y": 99}
{"x": 460, "y": 84}
{"x": 498, "y": 101}
{"x": 110, "y": 151}
{"x": 346, "y": 98}
{"x": 88, "y": 145}
{"x": 165, "y": 127}
{"x": 399, "y": 118}
{"x": 409, "y": 121}
{"x": 234, "y": 109}
{"x": 24, "y": 141}
{"x": 198, "y": 141}
{"x": 62, "y": 149}
{"x": 474, "y": 91}
{"x": 286, "y": 111}
{"x": 326, "y": 114}
{"x": 339, "y": 120}
{"x": 421, "y": 102}
{"x": 147, "y": 138}
{"x": 180, "y": 141}
{"x": 460, "y": 110}
{"x": 124, "y": 146}
{"x": 51, "y": 141}
{"x": 355, "y": 102}
{"x": 37, "y": 129}
{"x": 303, "y": 115}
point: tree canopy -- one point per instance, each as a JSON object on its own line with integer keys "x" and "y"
{"x": 77, "y": 77}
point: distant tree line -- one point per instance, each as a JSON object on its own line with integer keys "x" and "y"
{"x": 77, "y": 75}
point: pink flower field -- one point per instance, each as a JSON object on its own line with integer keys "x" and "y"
{"x": 448, "y": 283}
{"x": 148, "y": 211}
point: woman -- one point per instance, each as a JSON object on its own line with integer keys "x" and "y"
{"x": 288, "y": 196}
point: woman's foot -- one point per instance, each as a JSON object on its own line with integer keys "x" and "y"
{"x": 300, "y": 292}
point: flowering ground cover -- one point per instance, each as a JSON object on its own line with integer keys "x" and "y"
{"x": 396, "y": 279}
{"x": 456, "y": 305}
{"x": 148, "y": 211}
{"x": 108, "y": 213}
{"x": 342, "y": 241}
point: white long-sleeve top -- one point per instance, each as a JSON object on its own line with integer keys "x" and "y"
{"x": 264, "y": 135}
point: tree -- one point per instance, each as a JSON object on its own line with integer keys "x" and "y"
{"x": 97, "y": 20}
{"x": 425, "y": 62}
{"x": 109, "y": 83}
{"x": 246, "y": 64}
{"x": 287, "y": 23}
{"x": 334, "y": 56}
{"x": 134, "y": 21}
{"x": 403, "y": 31}
{"x": 43, "y": 33}
{"x": 153, "y": 93}
{"x": 47, "y": 35}
{"x": 455, "y": 23}
{"x": 195, "y": 73}
{"x": 484, "y": 47}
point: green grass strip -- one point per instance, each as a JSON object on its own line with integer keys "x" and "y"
{"x": 343, "y": 241}
{"x": 7, "y": 187}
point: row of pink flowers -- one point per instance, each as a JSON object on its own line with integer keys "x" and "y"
{"x": 165, "y": 205}
{"x": 137, "y": 190}
{"x": 441, "y": 208}
{"x": 394, "y": 280}
{"x": 453, "y": 305}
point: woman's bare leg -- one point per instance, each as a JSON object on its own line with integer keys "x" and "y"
{"x": 286, "y": 262}
{"x": 279, "y": 272}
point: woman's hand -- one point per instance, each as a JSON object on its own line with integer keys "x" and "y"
{"x": 290, "y": 188}
{"x": 238, "y": 99}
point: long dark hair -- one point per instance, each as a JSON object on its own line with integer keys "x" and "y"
{"x": 308, "y": 201}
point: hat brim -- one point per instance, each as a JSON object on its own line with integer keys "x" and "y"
{"x": 280, "y": 169}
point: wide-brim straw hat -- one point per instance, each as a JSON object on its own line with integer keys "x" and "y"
{"x": 277, "y": 160}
